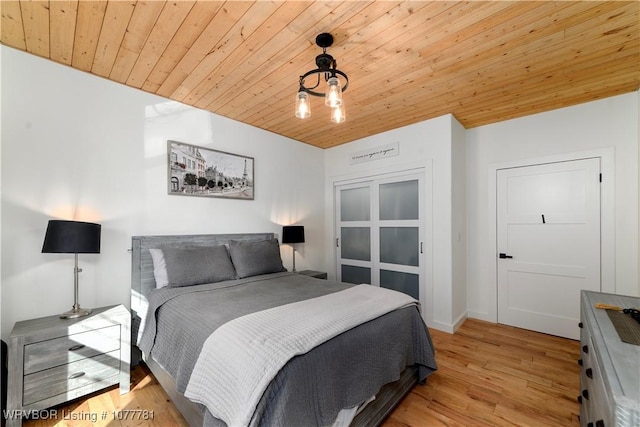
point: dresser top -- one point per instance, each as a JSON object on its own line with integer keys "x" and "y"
{"x": 99, "y": 317}
{"x": 617, "y": 357}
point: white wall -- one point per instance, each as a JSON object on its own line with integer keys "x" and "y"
{"x": 459, "y": 223}
{"x": 425, "y": 145}
{"x": 610, "y": 124}
{"x": 75, "y": 146}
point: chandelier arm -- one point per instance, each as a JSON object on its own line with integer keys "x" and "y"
{"x": 306, "y": 89}
{"x": 319, "y": 71}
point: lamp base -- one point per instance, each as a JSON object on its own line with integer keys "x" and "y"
{"x": 75, "y": 312}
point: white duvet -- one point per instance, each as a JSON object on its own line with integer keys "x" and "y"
{"x": 239, "y": 359}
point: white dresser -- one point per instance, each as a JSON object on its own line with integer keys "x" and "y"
{"x": 610, "y": 374}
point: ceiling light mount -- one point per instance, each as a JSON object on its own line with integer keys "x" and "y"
{"x": 337, "y": 82}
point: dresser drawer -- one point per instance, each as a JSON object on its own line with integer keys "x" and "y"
{"x": 592, "y": 385}
{"x": 610, "y": 374}
{"x": 60, "y": 351}
{"x": 52, "y": 382}
{"x": 600, "y": 409}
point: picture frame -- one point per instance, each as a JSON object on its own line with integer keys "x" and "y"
{"x": 204, "y": 172}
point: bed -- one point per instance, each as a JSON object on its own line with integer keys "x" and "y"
{"x": 354, "y": 374}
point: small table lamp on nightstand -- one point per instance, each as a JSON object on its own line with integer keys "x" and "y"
{"x": 72, "y": 237}
{"x": 292, "y": 234}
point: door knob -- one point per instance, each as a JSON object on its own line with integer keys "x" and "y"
{"x": 503, "y": 256}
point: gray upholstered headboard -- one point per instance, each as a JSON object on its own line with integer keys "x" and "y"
{"x": 142, "y": 280}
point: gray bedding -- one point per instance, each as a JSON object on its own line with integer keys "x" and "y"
{"x": 312, "y": 388}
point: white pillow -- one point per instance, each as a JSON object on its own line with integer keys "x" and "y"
{"x": 159, "y": 268}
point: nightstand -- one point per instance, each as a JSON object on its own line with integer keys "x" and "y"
{"x": 53, "y": 360}
{"x": 312, "y": 273}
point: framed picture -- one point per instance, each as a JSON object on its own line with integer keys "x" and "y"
{"x": 203, "y": 172}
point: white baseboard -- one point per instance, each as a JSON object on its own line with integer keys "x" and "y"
{"x": 447, "y": 327}
{"x": 481, "y": 316}
{"x": 460, "y": 321}
{"x": 444, "y": 327}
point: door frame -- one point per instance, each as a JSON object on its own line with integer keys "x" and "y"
{"x": 424, "y": 168}
{"x": 607, "y": 218}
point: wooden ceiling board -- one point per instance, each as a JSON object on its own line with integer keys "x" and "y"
{"x": 593, "y": 61}
{"x": 35, "y": 19}
{"x": 88, "y": 25}
{"x": 62, "y": 23}
{"x": 591, "y": 87}
{"x": 507, "y": 65}
{"x": 114, "y": 28}
{"x": 172, "y": 16}
{"x": 221, "y": 23}
{"x": 198, "y": 81}
{"x": 407, "y": 61}
{"x": 12, "y": 31}
{"x": 257, "y": 37}
{"x": 138, "y": 31}
{"x": 483, "y": 47}
{"x": 198, "y": 18}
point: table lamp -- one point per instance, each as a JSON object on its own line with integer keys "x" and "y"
{"x": 72, "y": 237}
{"x": 292, "y": 234}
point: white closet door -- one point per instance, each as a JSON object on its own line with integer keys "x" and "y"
{"x": 380, "y": 233}
{"x": 354, "y": 212}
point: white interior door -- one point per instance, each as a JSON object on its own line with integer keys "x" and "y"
{"x": 548, "y": 224}
{"x": 380, "y": 233}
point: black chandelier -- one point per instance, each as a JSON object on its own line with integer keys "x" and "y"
{"x": 333, "y": 92}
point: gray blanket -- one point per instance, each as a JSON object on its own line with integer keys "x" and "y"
{"x": 311, "y": 389}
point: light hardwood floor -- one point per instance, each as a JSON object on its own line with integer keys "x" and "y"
{"x": 496, "y": 375}
{"x": 487, "y": 374}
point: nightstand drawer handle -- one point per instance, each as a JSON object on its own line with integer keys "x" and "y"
{"x": 76, "y": 375}
{"x": 77, "y": 347}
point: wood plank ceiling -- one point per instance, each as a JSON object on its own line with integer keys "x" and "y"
{"x": 407, "y": 61}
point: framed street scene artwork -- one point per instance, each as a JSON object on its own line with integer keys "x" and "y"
{"x": 203, "y": 172}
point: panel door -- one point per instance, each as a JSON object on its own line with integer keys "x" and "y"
{"x": 548, "y": 224}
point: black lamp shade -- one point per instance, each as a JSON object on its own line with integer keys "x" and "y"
{"x": 293, "y": 234}
{"x": 72, "y": 237}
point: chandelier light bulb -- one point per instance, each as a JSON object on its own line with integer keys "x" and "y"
{"x": 333, "y": 95}
{"x": 338, "y": 114}
{"x": 303, "y": 107}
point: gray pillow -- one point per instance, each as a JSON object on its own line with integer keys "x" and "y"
{"x": 197, "y": 265}
{"x": 253, "y": 258}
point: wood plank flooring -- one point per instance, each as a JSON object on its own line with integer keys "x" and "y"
{"x": 496, "y": 375}
{"x": 487, "y": 374}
